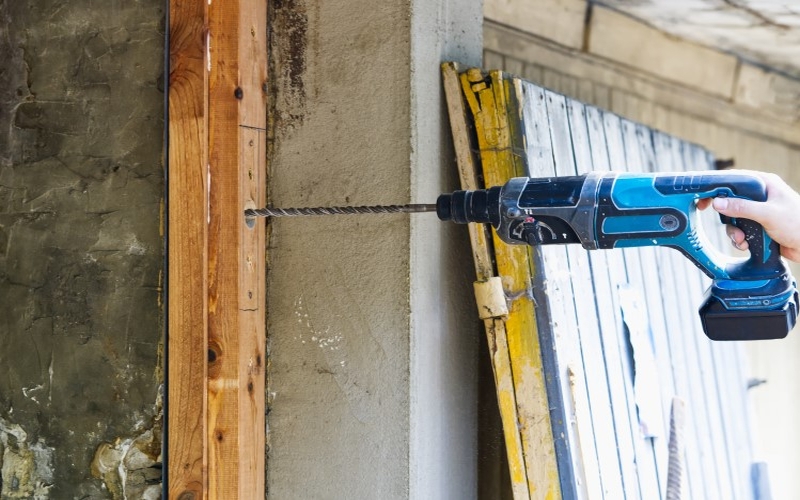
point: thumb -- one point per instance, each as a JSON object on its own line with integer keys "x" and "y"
{"x": 740, "y": 208}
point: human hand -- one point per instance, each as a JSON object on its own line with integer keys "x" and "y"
{"x": 775, "y": 215}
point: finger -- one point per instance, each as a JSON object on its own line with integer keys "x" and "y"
{"x": 737, "y": 237}
{"x": 735, "y": 234}
{"x": 703, "y": 204}
{"x": 740, "y": 208}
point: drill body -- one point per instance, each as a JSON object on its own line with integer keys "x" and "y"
{"x": 753, "y": 298}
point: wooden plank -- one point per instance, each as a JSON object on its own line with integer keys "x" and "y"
{"x": 731, "y": 394}
{"x": 492, "y": 105}
{"x": 479, "y": 234}
{"x": 497, "y": 339}
{"x": 698, "y": 445}
{"x": 567, "y": 270}
{"x": 479, "y": 237}
{"x": 735, "y": 400}
{"x": 657, "y": 278}
{"x": 646, "y": 456}
{"x": 677, "y": 325}
{"x": 731, "y": 384}
{"x": 541, "y": 163}
{"x": 643, "y": 274}
{"x": 645, "y": 464}
{"x": 605, "y": 281}
{"x": 664, "y": 317}
{"x": 695, "y": 159}
{"x": 236, "y": 261}
{"x": 186, "y": 282}
{"x": 592, "y": 284}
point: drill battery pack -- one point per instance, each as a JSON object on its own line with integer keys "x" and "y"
{"x": 755, "y": 310}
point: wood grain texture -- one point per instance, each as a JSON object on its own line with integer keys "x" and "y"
{"x": 496, "y": 334}
{"x": 577, "y": 329}
{"x": 606, "y": 280}
{"x": 590, "y": 281}
{"x": 187, "y": 252}
{"x": 217, "y": 168}
{"x": 620, "y": 147}
{"x": 236, "y": 269}
{"x": 479, "y": 234}
{"x": 493, "y": 100}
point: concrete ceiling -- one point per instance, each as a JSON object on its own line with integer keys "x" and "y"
{"x": 766, "y": 32}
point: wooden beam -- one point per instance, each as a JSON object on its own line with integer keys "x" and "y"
{"x": 222, "y": 293}
{"x": 187, "y": 215}
{"x": 236, "y": 320}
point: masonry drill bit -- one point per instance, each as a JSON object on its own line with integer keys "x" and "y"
{"x": 371, "y": 209}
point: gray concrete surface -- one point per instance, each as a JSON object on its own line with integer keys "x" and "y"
{"x": 81, "y": 183}
{"x": 372, "y": 341}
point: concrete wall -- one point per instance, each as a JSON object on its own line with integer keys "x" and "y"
{"x": 81, "y": 184}
{"x": 372, "y": 335}
{"x": 735, "y": 108}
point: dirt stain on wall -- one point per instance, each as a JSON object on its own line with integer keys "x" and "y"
{"x": 288, "y": 41}
{"x": 81, "y": 182}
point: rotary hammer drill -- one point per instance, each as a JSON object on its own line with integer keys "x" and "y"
{"x": 749, "y": 299}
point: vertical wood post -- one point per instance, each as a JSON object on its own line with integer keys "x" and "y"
{"x": 216, "y": 291}
{"x": 187, "y": 323}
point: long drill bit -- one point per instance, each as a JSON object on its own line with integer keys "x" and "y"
{"x": 371, "y": 209}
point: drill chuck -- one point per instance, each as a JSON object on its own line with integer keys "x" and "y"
{"x": 466, "y": 206}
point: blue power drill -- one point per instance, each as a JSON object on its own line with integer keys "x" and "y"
{"x": 749, "y": 299}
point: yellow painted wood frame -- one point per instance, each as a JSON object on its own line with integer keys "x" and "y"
{"x": 513, "y": 339}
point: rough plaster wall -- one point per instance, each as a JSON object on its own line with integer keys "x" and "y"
{"x": 338, "y": 299}
{"x": 366, "y": 325}
{"x": 80, "y": 251}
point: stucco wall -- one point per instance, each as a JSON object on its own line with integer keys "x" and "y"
{"x": 80, "y": 249}
{"x": 371, "y": 332}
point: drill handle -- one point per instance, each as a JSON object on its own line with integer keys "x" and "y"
{"x": 636, "y": 210}
{"x": 765, "y": 253}
{"x": 765, "y": 259}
